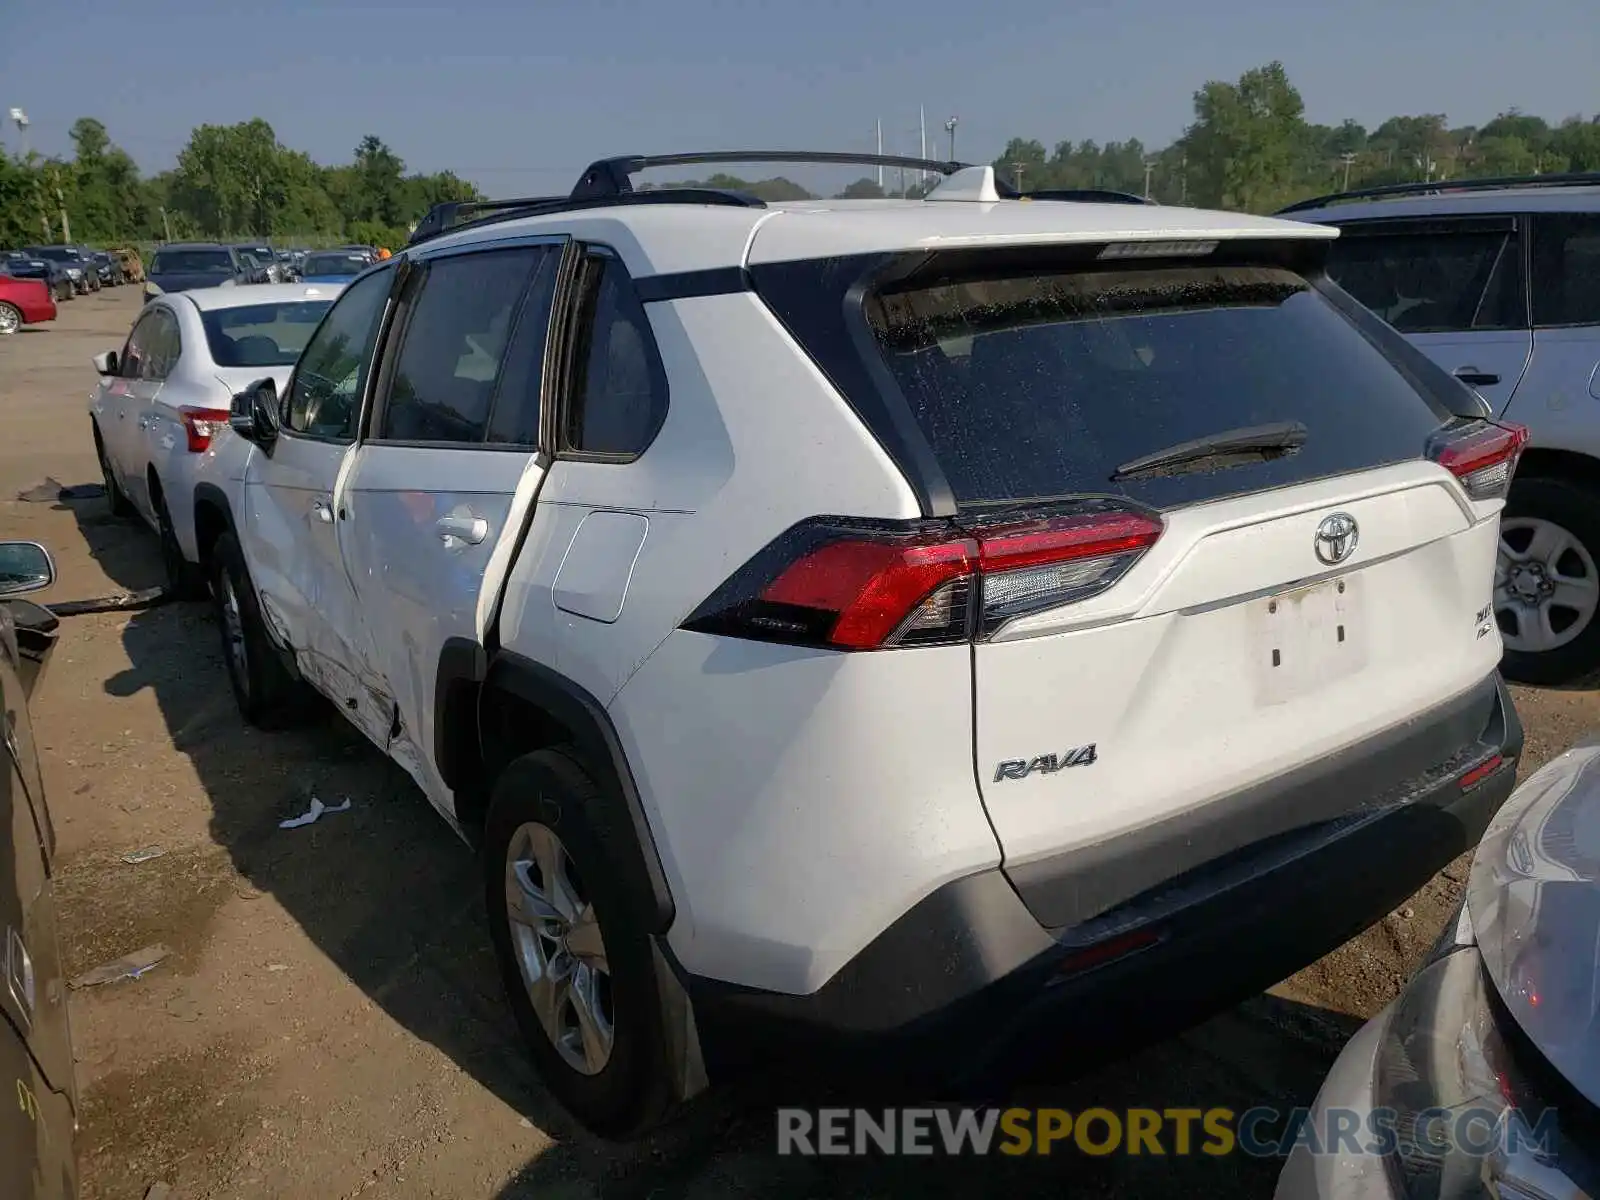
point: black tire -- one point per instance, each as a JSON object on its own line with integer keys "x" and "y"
{"x": 185, "y": 580}
{"x": 632, "y": 1093}
{"x": 269, "y": 697}
{"x": 120, "y": 507}
{"x": 1574, "y": 507}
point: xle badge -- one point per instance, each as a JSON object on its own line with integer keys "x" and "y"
{"x": 1049, "y": 764}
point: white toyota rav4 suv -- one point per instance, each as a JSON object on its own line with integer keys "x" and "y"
{"x": 925, "y": 637}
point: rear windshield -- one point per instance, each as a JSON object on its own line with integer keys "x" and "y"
{"x": 1044, "y": 385}
{"x": 57, "y": 253}
{"x": 334, "y": 264}
{"x": 192, "y": 262}
{"x": 262, "y": 335}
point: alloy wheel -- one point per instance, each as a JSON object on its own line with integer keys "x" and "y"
{"x": 1546, "y": 585}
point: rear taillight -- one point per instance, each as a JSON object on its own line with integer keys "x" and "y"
{"x": 201, "y": 425}
{"x": 1483, "y": 456}
{"x": 855, "y": 585}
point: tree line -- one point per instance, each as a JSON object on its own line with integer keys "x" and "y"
{"x": 230, "y": 182}
{"x": 1249, "y": 147}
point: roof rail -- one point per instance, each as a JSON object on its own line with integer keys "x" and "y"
{"x": 1441, "y": 186}
{"x": 610, "y": 176}
{"x": 1079, "y": 196}
{"x": 608, "y": 182}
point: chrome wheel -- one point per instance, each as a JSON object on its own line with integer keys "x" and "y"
{"x": 233, "y": 633}
{"x": 1546, "y": 585}
{"x": 560, "y": 953}
{"x": 10, "y": 319}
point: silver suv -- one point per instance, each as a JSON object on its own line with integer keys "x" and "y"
{"x": 1498, "y": 281}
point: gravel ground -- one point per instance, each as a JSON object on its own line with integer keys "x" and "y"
{"x": 328, "y": 1023}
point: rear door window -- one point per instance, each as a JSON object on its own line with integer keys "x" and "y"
{"x": 1566, "y": 269}
{"x": 1434, "y": 277}
{"x": 1040, "y": 386}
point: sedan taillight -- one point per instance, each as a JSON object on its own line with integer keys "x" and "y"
{"x": 201, "y": 425}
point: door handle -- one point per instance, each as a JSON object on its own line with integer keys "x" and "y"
{"x": 468, "y": 529}
{"x": 1473, "y": 377}
{"x": 322, "y": 510}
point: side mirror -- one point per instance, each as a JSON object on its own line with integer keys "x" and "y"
{"x": 106, "y": 362}
{"x": 24, "y": 567}
{"x": 254, "y": 413}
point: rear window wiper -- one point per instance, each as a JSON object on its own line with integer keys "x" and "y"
{"x": 1230, "y": 448}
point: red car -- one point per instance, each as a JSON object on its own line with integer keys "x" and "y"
{"x": 24, "y": 302}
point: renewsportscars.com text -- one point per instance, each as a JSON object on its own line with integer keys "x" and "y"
{"x": 1260, "y": 1132}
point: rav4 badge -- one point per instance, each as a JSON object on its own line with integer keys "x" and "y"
{"x": 1049, "y": 764}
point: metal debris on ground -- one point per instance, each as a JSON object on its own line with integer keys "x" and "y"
{"x": 129, "y": 966}
{"x": 145, "y": 855}
{"x": 311, "y": 814}
{"x": 144, "y": 598}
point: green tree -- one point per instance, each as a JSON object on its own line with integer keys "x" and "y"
{"x": 861, "y": 189}
{"x": 1245, "y": 140}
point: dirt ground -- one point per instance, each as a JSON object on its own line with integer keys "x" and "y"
{"x": 328, "y": 1021}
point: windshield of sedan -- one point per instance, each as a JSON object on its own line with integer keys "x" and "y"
{"x": 334, "y": 264}
{"x": 58, "y": 253}
{"x": 262, "y": 335}
{"x": 192, "y": 262}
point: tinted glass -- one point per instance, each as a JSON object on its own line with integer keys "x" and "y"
{"x": 515, "y": 420}
{"x": 192, "y": 262}
{"x": 334, "y": 264}
{"x": 325, "y": 393}
{"x": 620, "y": 395}
{"x": 1423, "y": 282}
{"x": 57, "y": 253}
{"x": 1043, "y": 385}
{"x": 455, "y": 336}
{"x": 1566, "y": 269}
{"x": 261, "y": 335}
{"x": 162, "y": 347}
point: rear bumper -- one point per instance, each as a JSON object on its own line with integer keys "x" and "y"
{"x": 970, "y": 988}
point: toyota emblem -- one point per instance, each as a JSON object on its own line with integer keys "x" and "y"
{"x": 1336, "y": 538}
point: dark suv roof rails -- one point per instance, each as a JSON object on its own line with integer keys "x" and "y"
{"x": 608, "y": 182}
{"x": 1441, "y": 186}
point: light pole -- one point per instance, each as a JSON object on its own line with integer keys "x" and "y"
{"x": 20, "y": 119}
{"x": 950, "y": 128}
{"x": 165, "y": 223}
{"x": 1348, "y": 158}
{"x": 1016, "y": 176}
{"x": 1149, "y": 170}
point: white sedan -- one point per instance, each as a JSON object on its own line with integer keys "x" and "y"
{"x": 163, "y": 399}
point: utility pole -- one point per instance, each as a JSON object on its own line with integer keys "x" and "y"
{"x": 1016, "y": 176}
{"x": 950, "y": 128}
{"x": 167, "y": 224}
{"x": 1183, "y": 180}
{"x": 922, "y": 126}
{"x": 880, "y": 154}
{"x": 1149, "y": 170}
{"x": 1348, "y": 158}
{"x": 20, "y": 119}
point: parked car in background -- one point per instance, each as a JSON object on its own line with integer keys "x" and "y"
{"x": 263, "y": 262}
{"x": 164, "y": 396}
{"x": 82, "y": 273}
{"x": 24, "y": 302}
{"x": 1124, "y": 503}
{"x": 333, "y": 266}
{"x": 1496, "y": 1040}
{"x": 53, "y": 274}
{"x": 177, "y": 267}
{"x": 39, "y": 1116}
{"x": 1498, "y": 281}
{"x": 109, "y": 268}
{"x": 132, "y": 264}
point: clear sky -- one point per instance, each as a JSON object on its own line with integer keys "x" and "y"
{"x": 519, "y": 96}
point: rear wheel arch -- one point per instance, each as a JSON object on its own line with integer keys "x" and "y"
{"x": 491, "y": 712}
{"x": 213, "y": 517}
{"x": 1571, "y": 466}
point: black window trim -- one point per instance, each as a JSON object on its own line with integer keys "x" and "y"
{"x": 1515, "y": 224}
{"x": 392, "y": 339}
{"x": 1531, "y": 220}
{"x": 573, "y": 352}
{"x": 363, "y": 400}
